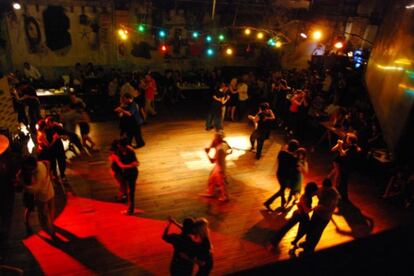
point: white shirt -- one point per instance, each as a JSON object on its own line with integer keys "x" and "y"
{"x": 319, "y": 51}
{"x": 32, "y": 73}
{"x": 41, "y": 187}
{"x": 242, "y": 90}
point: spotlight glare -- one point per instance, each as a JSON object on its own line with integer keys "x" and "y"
{"x": 247, "y": 31}
{"x": 163, "y": 48}
{"x": 229, "y": 51}
{"x": 260, "y": 35}
{"x": 195, "y": 34}
{"x": 209, "y": 38}
{"x": 278, "y": 44}
{"x": 210, "y": 52}
{"x": 317, "y": 35}
{"x": 221, "y": 37}
{"x": 123, "y": 34}
{"x": 339, "y": 45}
{"x": 17, "y": 6}
{"x": 303, "y": 35}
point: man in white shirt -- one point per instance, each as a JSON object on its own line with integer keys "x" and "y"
{"x": 242, "y": 91}
{"x": 31, "y": 72}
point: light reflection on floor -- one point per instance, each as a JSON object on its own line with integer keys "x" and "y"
{"x": 198, "y": 160}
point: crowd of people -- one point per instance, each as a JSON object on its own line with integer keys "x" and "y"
{"x": 287, "y": 99}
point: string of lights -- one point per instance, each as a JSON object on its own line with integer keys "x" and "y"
{"x": 212, "y": 39}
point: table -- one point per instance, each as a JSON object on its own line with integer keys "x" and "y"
{"x": 52, "y": 97}
{"x": 52, "y": 92}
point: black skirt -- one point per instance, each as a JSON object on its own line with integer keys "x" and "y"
{"x": 84, "y": 128}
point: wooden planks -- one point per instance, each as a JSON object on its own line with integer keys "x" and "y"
{"x": 173, "y": 171}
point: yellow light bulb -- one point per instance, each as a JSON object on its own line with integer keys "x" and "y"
{"x": 317, "y": 35}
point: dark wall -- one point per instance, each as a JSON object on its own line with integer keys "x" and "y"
{"x": 390, "y": 77}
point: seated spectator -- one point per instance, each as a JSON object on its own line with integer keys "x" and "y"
{"x": 31, "y": 73}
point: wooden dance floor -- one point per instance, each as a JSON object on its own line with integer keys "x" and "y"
{"x": 97, "y": 239}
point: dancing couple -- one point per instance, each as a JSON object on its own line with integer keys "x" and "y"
{"x": 217, "y": 177}
{"x": 191, "y": 247}
{"x": 292, "y": 165}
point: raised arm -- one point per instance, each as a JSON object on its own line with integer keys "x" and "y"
{"x": 271, "y": 117}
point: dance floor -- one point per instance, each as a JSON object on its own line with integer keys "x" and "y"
{"x": 95, "y": 238}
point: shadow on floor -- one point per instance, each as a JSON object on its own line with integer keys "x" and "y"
{"x": 361, "y": 225}
{"x": 92, "y": 254}
{"x": 266, "y": 229}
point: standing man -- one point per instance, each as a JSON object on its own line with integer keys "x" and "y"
{"x": 262, "y": 122}
{"x": 242, "y": 91}
{"x": 216, "y": 114}
{"x": 328, "y": 200}
{"x": 285, "y": 172}
{"x": 131, "y": 120}
{"x": 127, "y": 161}
{"x": 30, "y": 99}
{"x": 218, "y": 174}
{"x": 70, "y": 119}
{"x": 347, "y": 152}
{"x": 54, "y": 133}
{"x": 150, "y": 91}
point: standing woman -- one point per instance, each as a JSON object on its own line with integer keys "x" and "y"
{"x": 301, "y": 215}
{"x": 295, "y": 104}
{"x": 218, "y": 174}
{"x": 234, "y": 99}
{"x": 36, "y": 179}
{"x": 42, "y": 145}
{"x": 204, "y": 253}
{"x": 128, "y": 162}
{"x": 301, "y": 169}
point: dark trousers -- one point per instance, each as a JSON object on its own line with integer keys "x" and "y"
{"x": 303, "y": 220}
{"x": 34, "y": 115}
{"x": 181, "y": 268}
{"x": 130, "y": 180}
{"x": 214, "y": 118}
{"x": 57, "y": 157}
{"x": 137, "y": 135}
{"x": 21, "y": 114}
{"x": 343, "y": 184}
{"x": 284, "y": 183}
{"x": 74, "y": 139}
{"x": 293, "y": 121}
{"x": 316, "y": 227}
{"x": 205, "y": 269}
{"x": 242, "y": 108}
{"x": 256, "y": 135}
